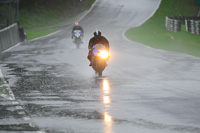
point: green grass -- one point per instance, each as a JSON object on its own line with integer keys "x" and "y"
{"x": 3, "y": 89}
{"x": 154, "y": 34}
{"x": 31, "y": 34}
{"x": 52, "y": 15}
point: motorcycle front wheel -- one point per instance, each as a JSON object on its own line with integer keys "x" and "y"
{"x": 100, "y": 74}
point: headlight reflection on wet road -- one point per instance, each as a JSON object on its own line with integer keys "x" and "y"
{"x": 106, "y": 87}
{"x": 106, "y": 101}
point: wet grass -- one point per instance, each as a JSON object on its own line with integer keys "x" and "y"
{"x": 49, "y": 16}
{"x": 3, "y": 89}
{"x": 31, "y": 34}
{"x": 154, "y": 34}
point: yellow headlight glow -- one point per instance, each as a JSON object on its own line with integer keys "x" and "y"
{"x": 104, "y": 54}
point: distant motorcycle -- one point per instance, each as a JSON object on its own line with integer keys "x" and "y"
{"x": 99, "y": 58}
{"x": 77, "y": 37}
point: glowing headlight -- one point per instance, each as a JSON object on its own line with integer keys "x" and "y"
{"x": 77, "y": 34}
{"x": 104, "y": 54}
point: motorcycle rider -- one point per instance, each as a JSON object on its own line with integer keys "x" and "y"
{"x": 77, "y": 27}
{"x": 97, "y": 38}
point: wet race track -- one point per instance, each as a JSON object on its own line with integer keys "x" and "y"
{"x": 142, "y": 89}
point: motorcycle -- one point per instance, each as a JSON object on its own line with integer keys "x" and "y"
{"x": 99, "y": 58}
{"x": 77, "y": 37}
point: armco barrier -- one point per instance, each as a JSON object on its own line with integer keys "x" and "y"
{"x": 9, "y": 37}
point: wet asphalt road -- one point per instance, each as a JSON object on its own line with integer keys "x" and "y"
{"x": 142, "y": 89}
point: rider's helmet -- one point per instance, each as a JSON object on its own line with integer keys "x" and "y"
{"x": 97, "y": 34}
{"x": 76, "y": 24}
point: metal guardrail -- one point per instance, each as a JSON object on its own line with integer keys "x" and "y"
{"x": 9, "y": 37}
{"x": 174, "y": 23}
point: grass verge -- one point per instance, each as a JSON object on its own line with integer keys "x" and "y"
{"x": 3, "y": 89}
{"x": 32, "y": 34}
{"x": 53, "y": 15}
{"x": 154, "y": 34}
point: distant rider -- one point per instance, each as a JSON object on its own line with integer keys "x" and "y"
{"x": 77, "y": 27}
{"x": 96, "y": 39}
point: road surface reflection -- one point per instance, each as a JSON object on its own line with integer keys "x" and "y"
{"x": 106, "y": 100}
